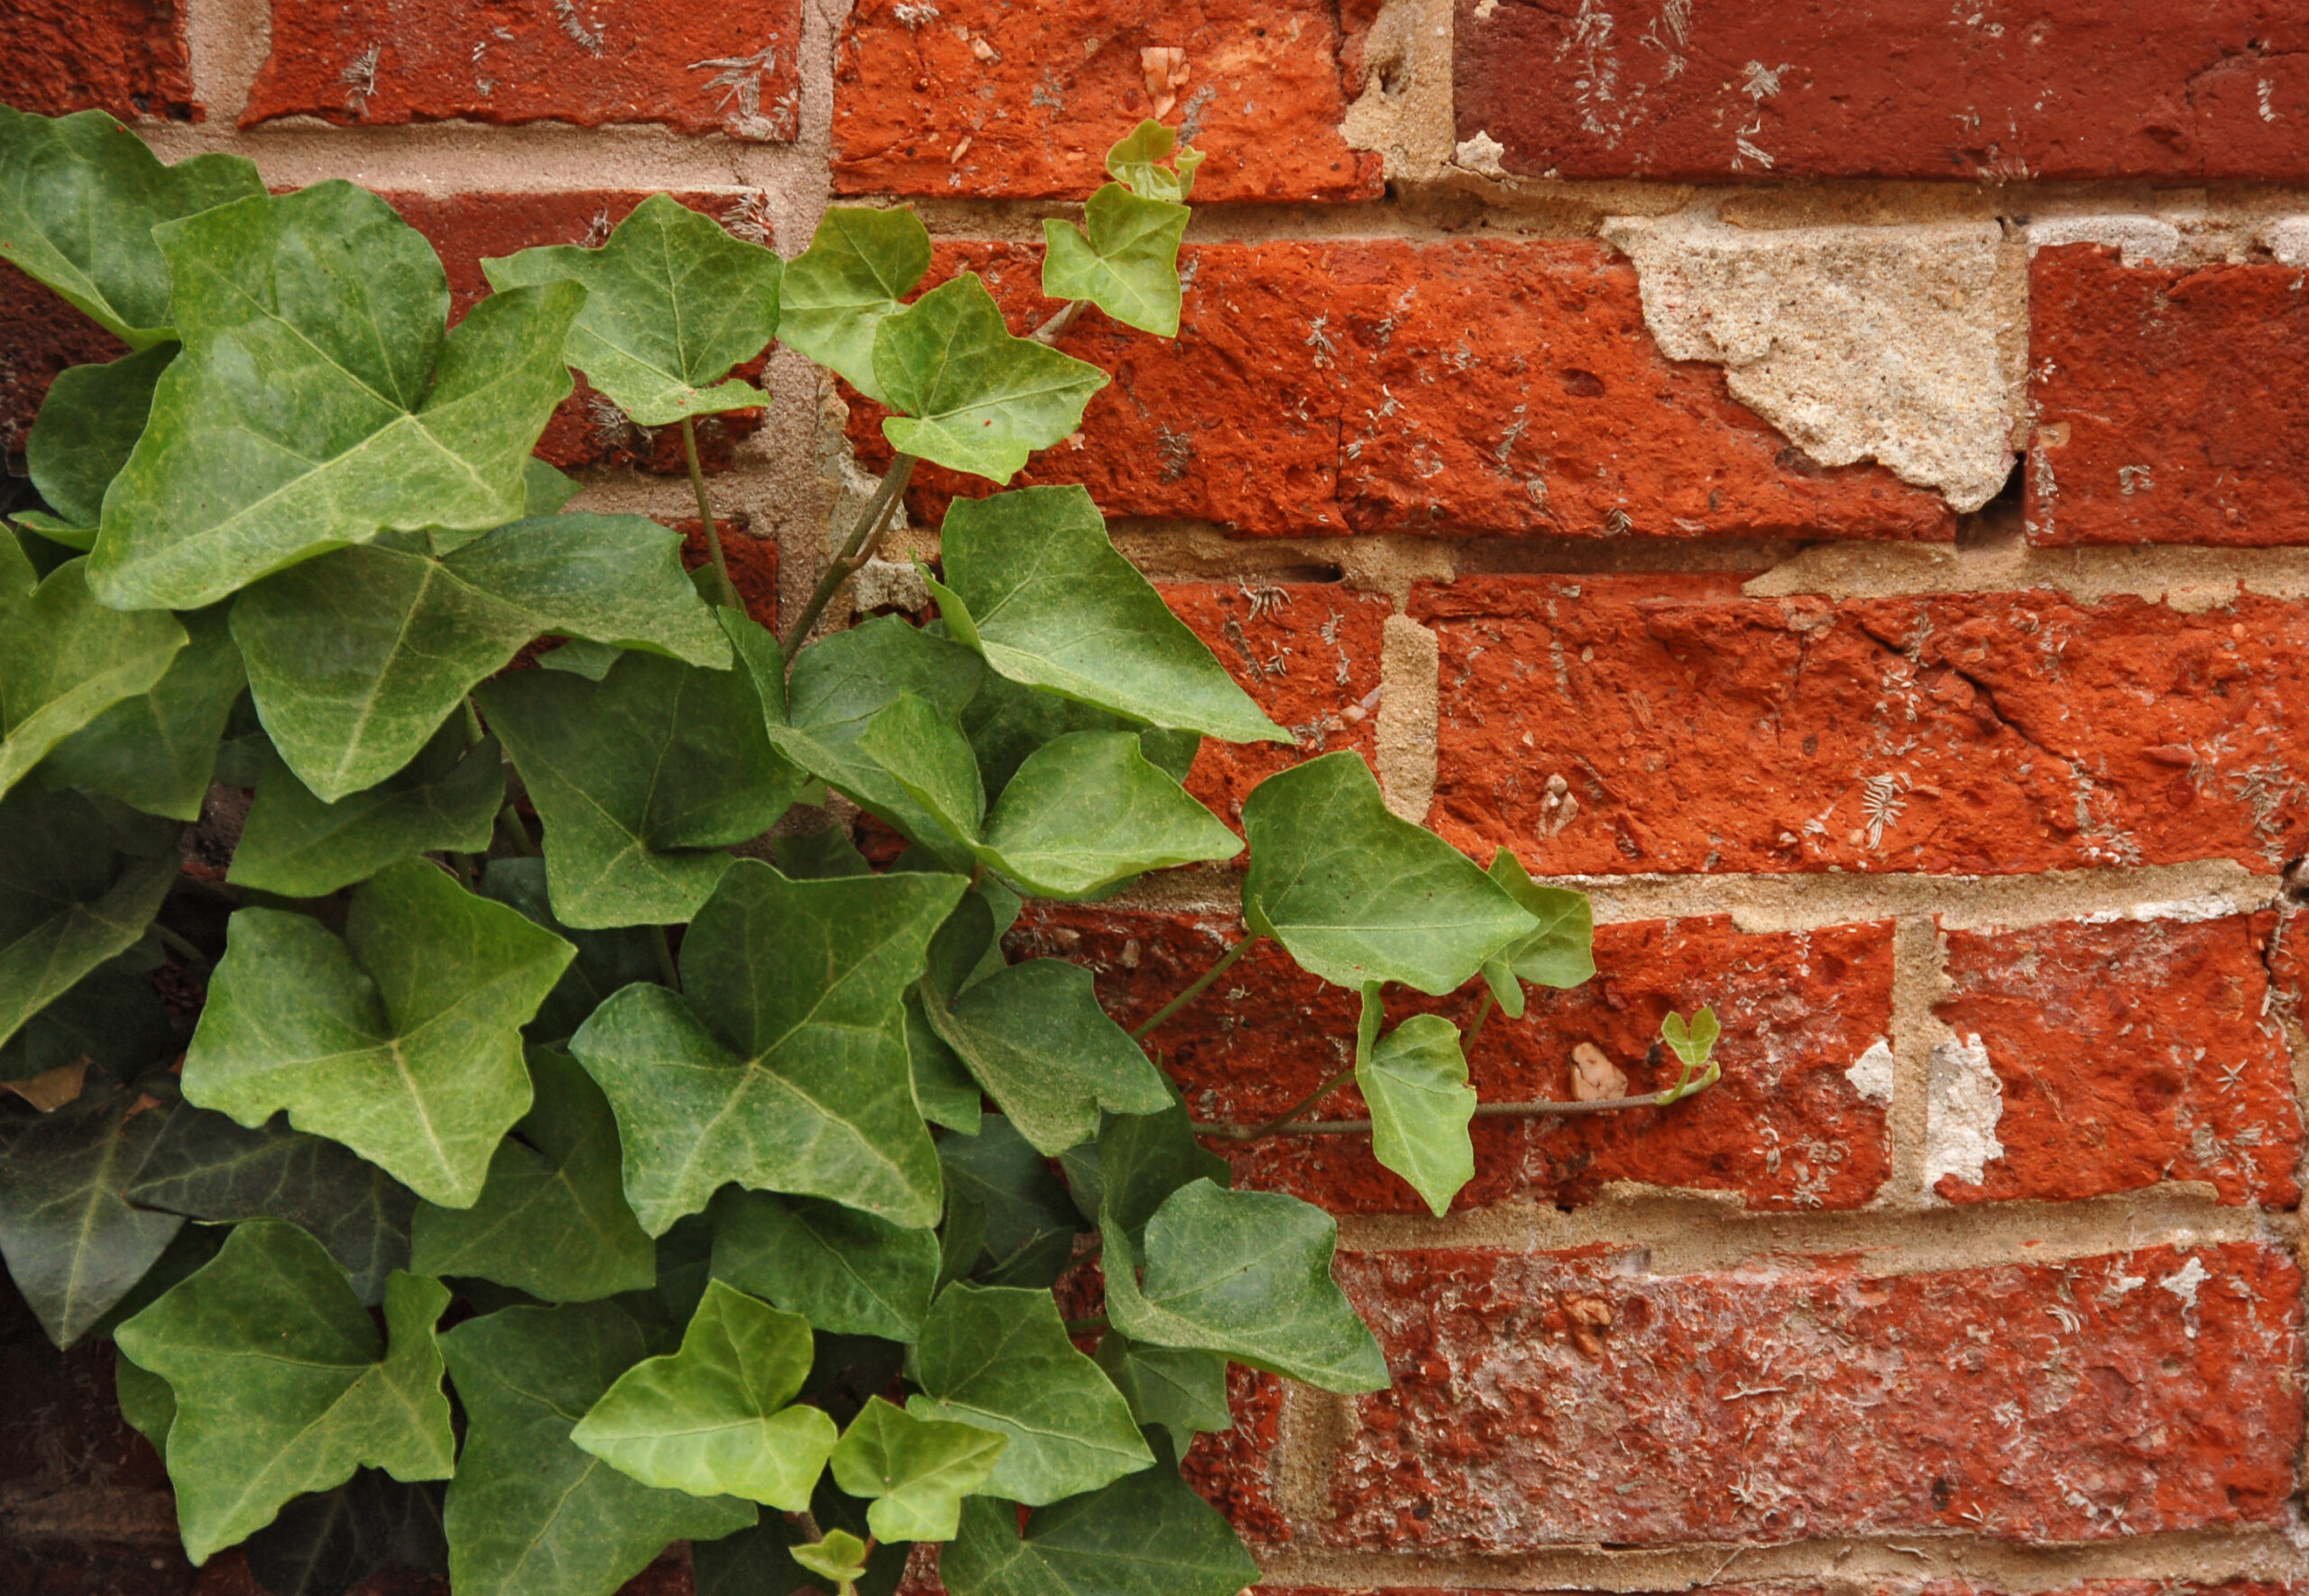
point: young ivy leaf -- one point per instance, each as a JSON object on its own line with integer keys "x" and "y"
{"x": 784, "y": 1068}
{"x": 80, "y": 197}
{"x": 1135, "y": 161}
{"x": 1035, "y": 585}
{"x": 971, "y": 396}
{"x": 1560, "y": 953}
{"x": 915, "y": 1470}
{"x": 370, "y": 415}
{"x": 357, "y": 658}
{"x": 84, "y": 434}
{"x": 1124, "y": 259}
{"x": 1415, "y": 1079}
{"x": 714, "y": 1418}
{"x": 1692, "y": 1044}
{"x": 860, "y": 265}
{"x": 1246, "y": 1273}
{"x": 848, "y": 1273}
{"x": 157, "y": 751}
{"x": 296, "y": 846}
{"x": 1356, "y": 893}
{"x": 283, "y": 1385}
{"x": 840, "y": 1556}
{"x": 79, "y": 881}
{"x": 64, "y": 659}
{"x": 401, "y": 1040}
{"x": 672, "y": 302}
{"x": 1000, "y": 1358}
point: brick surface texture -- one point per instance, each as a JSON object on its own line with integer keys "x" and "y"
{"x": 1982, "y": 833}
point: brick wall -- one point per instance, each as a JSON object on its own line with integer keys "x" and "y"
{"x": 1831, "y": 479}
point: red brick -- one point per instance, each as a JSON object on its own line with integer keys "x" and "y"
{"x": 1900, "y": 88}
{"x": 2135, "y": 1393}
{"x": 987, "y": 97}
{"x": 126, "y": 57}
{"x": 1387, "y": 386}
{"x": 696, "y": 70}
{"x": 1696, "y": 730}
{"x": 2168, "y": 401}
{"x": 753, "y": 561}
{"x": 1786, "y": 1128}
{"x": 2130, "y": 1054}
{"x": 39, "y": 335}
{"x": 1235, "y": 1469}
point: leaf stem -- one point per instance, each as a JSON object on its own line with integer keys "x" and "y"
{"x": 180, "y": 946}
{"x": 667, "y": 968}
{"x": 1201, "y": 985}
{"x": 1357, "y": 1127}
{"x": 1483, "y": 1013}
{"x": 1281, "y": 1122}
{"x": 508, "y": 823}
{"x": 864, "y": 539}
{"x": 705, "y": 516}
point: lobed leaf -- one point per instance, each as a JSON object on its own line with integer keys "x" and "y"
{"x": 157, "y": 751}
{"x": 1180, "y": 1390}
{"x": 1089, "y": 810}
{"x": 1415, "y": 1080}
{"x": 1136, "y": 161}
{"x": 295, "y": 845}
{"x": 1560, "y": 953}
{"x": 971, "y": 396}
{"x": 848, "y": 1272}
{"x": 915, "y": 1470}
{"x": 860, "y": 265}
{"x": 79, "y": 881}
{"x": 1124, "y": 259}
{"x": 87, "y": 428}
{"x": 1025, "y": 1221}
{"x": 1143, "y": 1158}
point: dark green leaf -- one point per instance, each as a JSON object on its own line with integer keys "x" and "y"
{"x": 606, "y": 959}
{"x": 295, "y": 845}
{"x": 1029, "y": 1221}
{"x": 1415, "y": 1080}
{"x": 973, "y": 398}
{"x": 820, "y": 856}
{"x": 1182, "y": 1391}
{"x": 78, "y": 883}
{"x": 87, "y": 428}
{"x": 111, "y": 1017}
{"x": 1124, "y": 259}
{"x": 915, "y": 1471}
{"x": 944, "y": 1091}
{"x": 1560, "y": 953}
{"x": 1007, "y": 720}
{"x": 73, "y": 1242}
{"x": 1143, "y": 1158}
{"x": 325, "y": 1543}
{"x": 839, "y": 290}
{"x": 847, "y": 1273}
{"x": 1035, "y": 1038}
{"x": 157, "y": 751}
{"x": 64, "y": 658}
{"x": 685, "y": 1263}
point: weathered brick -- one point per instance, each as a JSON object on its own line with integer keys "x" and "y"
{"x": 1696, "y": 730}
{"x": 1235, "y": 1469}
{"x": 126, "y": 57}
{"x": 2169, "y": 401}
{"x": 2129, "y": 1054}
{"x": 1388, "y": 386}
{"x": 1902, "y": 88}
{"x": 2134, "y": 1392}
{"x": 985, "y": 97}
{"x": 1786, "y": 1127}
{"x": 39, "y": 335}
{"x": 696, "y": 70}
{"x": 753, "y": 561}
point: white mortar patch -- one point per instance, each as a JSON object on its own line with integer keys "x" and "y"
{"x": 2138, "y": 241}
{"x": 1964, "y": 1105}
{"x": 2287, "y": 238}
{"x": 1871, "y": 1074}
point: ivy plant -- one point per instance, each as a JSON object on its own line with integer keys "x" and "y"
{"x": 550, "y": 1003}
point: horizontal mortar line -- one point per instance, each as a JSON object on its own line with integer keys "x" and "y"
{"x": 1844, "y": 1563}
{"x": 2193, "y": 575}
{"x": 1688, "y": 1233}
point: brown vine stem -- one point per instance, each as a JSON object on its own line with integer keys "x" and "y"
{"x": 705, "y": 516}
{"x": 1201, "y": 985}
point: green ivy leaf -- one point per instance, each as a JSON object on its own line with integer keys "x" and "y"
{"x": 1246, "y": 1273}
{"x": 370, "y": 415}
{"x": 1035, "y": 1038}
{"x": 551, "y": 1219}
{"x": 972, "y": 396}
{"x": 1692, "y": 1042}
{"x": 157, "y": 751}
{"x": 1147, "y": 1535}
{"x": 1560, "y": 953}
{"x": 1180, "y": 1390}
{"x": 111, "y": 1017}
{"x": 146, "y": 1402}
{"x": 644, "y": 777}
{"x": 923, "y": 750}
{"x": 1356, "y": 893}
{"x": 355, "y": 659}
{"x": 1007, "y": 721}
{"x": 1034, "y": 584}
{"x": 283, "y": 1385}
{"x": 1137, "y": 162}
{"x": 529, "y": 1513}
{"x": 401, "y": 1040}
{"x": 1027, "y": 1222}
{"x": 205, "y": 1166}
{"x": 1415, "y": 1079}
{"x": 1143, "y": 1158}
{"x": 606, "y": 960}
{"x": 84, "y": 434}
{"x": 848, "y": 1273}
{"x": 73, "y": 1245}
{"x": 840, "y": 1556}
{"x": 65, "y": 658}
{"x": 783, "y": 1068}
{"x": 296, "y": 846}
{"x": 714, "y": 1419}
{"x": 915, "y": 1470}
{"x": 1088, "y": 811}
{"x": 78, "y": 883}
{"x": 80, "y": 197}
{"x": 1000, "y": 1358}
{"x": 672, "y": 302}
{"x": 1125, "y": 259}
{"x": 860, "y": 265}
{"x": 325, "y": 1544}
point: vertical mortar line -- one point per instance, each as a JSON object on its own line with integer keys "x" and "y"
{"x": 1410, "y": 684}
{"x": 1311, "y": 1434}
{"x": 226, "y": 42}
{"x": 1918, "y": 979}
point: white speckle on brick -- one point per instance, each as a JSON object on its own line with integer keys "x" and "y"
{"x": 1481, "y": 155}
{"x": 2183, "y": 1283}
{"x": 1964, "y": 1104}
{"x": 1871, "y": 1074}
{"x": 2287, "y": 238}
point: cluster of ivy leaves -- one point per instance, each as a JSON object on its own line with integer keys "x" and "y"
{"x": 742, "y": 1182}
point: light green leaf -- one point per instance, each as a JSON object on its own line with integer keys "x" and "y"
{"x": 1000, "y": 1358}
{"x": 915, "y": 1470}
{"x": 1135, "y": 161}
{"x": 86, "y": 429}
{"x": 205, "y": 1166}
{"x": 1246, "y": 1273}
{"x": 672, "y": 302}
{"x": 157, "y": 751}
{"x": 64, "y": 659}
{"x": 841, "y": 1558}
{"x": 783, "y": 1068}
{"x": 370, "y": 415}
{"x": 78, "y": 883}
{"x": 1182, "y": 1391}
{"x": 1356, "y": 893}
{"x": 295, "y": 845}
{"x": 79, "y": 197}
{"x": 713, "y": 1418}
{"x": 925, "y": 751}
{"x": 1050, "y": 603}
{"x": 146, "y": 1402}
{"x": 1692, "y": 1042}
{"x": 1143, "y": 1158}
{"x": 72, "y": 1244}
{"x": 859, "y": 264}
{"x": 401, "y": 1040}
{"x": 1149, "y": 1535}
{"x": 551, "y": 1219}
{"x": 1415, "y": 1079}
{"x": 530, "y": 1514}
{"x": 643, "y": 778}
{"x": 1088, "y": 811}
{"x": 1560, "y": 953}
{"x": 606, "y": 960}
{"x": 356, "y": 659}
{"x": 283, "y": 1385}
{"x": 848, "y": 1273}
{"x": 1027, "y": 1223}
{"x": 1127, "y": 263}
{"x": 1038, "y": 1041}
{"x": 972, "y": 396}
